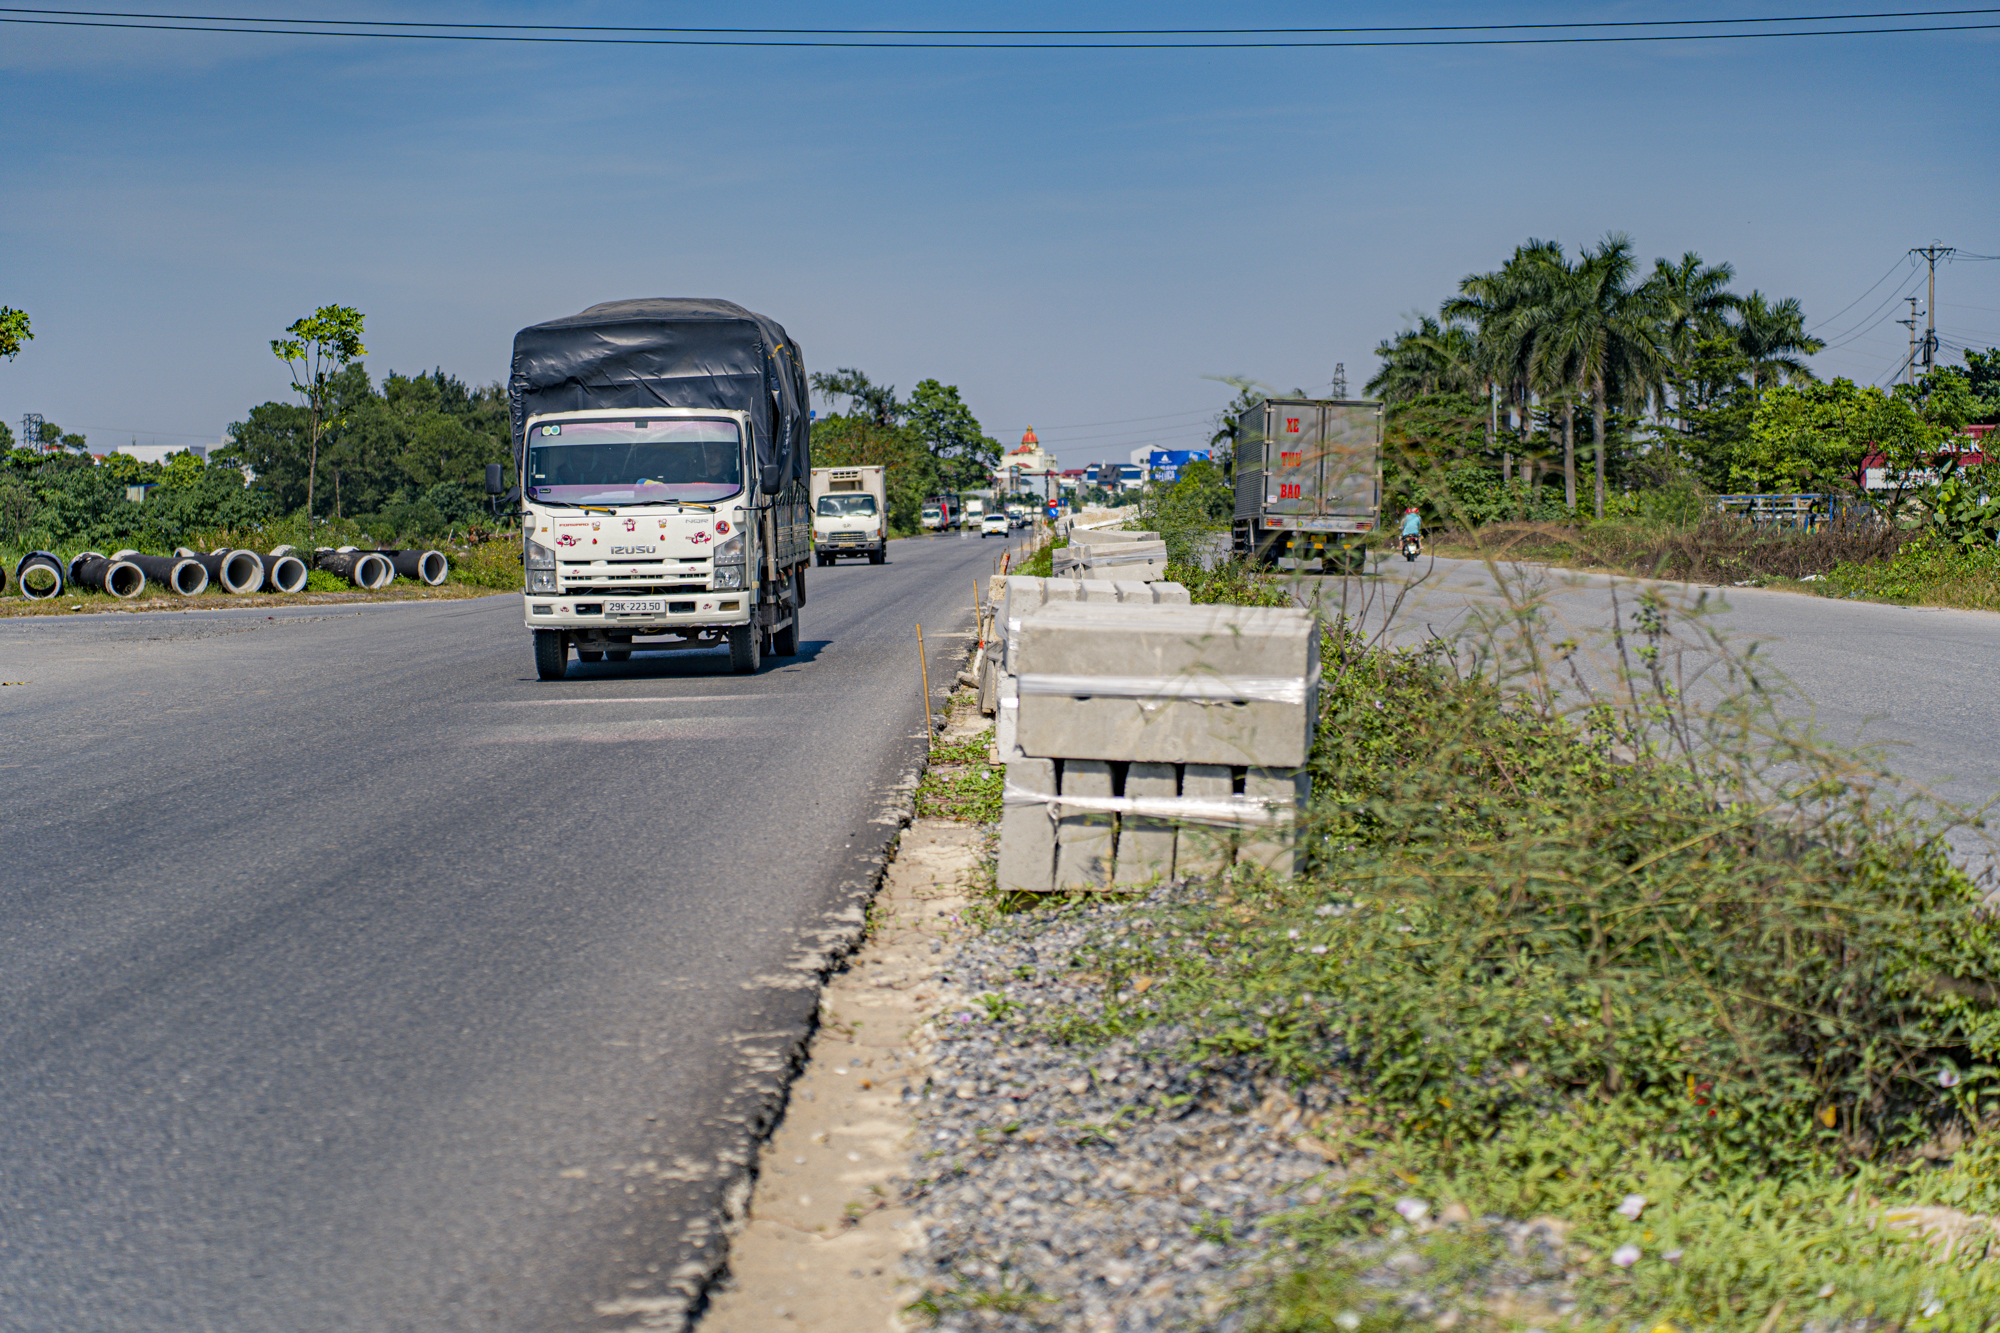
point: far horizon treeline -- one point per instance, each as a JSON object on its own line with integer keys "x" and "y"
{"x": 1673, "y": 376}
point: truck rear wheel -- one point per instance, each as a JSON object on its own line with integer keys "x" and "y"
{"x": 590, "y": 655}
{"x": 785, "y": 640}
{"x": 746, "y": 644}
{"x": 877, "y": 557}
{"x": 551, "y": 655}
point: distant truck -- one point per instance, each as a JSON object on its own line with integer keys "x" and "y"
{"x": 1308, "y": 482}
{"x": 664, "y": 450}
{"x": 939, "y": 513}
{"x": 973, "y": 512}
{"x": 850, "y": 513}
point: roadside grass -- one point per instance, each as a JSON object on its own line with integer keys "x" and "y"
{"x": 1556, "y": 948}
{"x": 1859, "y": 562}
{"x": 961, "y": 783}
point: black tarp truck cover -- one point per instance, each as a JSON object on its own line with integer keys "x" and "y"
{"x": 670, "y": 351}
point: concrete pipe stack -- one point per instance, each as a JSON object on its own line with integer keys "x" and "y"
{"x": 39, "y": 575}
{"x": 232, "y": 571}
{"x": 1152, "y": 739}
{"x": 1125, "y": 556}
{"x": 367, "y": 570}
{"x": 429, "y": 568}
{"x": 113, "y": 574}
{"x": 284, "y": 571}
{"x": 183, "y": 574}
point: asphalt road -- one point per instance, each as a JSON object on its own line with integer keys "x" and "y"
{"x": 1916, "y": 681}
{"x": 352, "y": 979}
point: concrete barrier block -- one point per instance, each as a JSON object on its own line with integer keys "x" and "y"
{"x": 1275, "y": 847}
{"x": 1146, "y": 844}
{"x": 1136, "y": 593}
{"x": 989, "y": 678}
{"x": 1109, "y": 536}
{"x": 1168, "y": 684}
{"x": 1084, "y": 838}
{"x": 1205, "y": 849}
{"x": 1027, "y": 830}
{"x": 1007, "y": 715}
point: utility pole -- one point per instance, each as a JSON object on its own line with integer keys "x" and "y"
{"x": 1931, "y": 254}
{"x": 1910, "y": 361}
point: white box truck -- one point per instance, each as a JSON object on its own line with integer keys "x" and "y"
{"x": 664, "y": 452}
{"x": 1308, "y": 482}
{"x": 850, "y": 513}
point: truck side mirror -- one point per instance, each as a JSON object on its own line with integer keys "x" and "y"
{"x": 496, "y": 479}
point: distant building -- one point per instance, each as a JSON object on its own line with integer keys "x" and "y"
{"x": 1028, "y": 458}
{"x": 160, "y": 453}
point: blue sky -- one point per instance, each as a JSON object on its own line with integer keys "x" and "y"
{"x": 1072, "y": 237}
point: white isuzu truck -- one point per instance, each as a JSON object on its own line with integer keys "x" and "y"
{"x": 850, "y": 513}
{"x": 664, "y": 449}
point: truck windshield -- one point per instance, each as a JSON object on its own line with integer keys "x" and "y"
{"x": 846, "y": 506}
{"x": 634, "y": 461}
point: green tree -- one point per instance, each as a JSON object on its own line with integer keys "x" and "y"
{"x": 14, "y": 330}
{"x": 865, "y": 398}
{"x": 966, "y": 455}
{"x": 1815, "y": 436}
{"x": 861, "y": 441}
{"x": 1773, "y": 337}
{"x": 1592, "y": 330}
{"x": 6, "y": 437}
{"x": 314, "y": 350}
{"x": 1432, "y": 358}
{"x": 1691, "y": 300}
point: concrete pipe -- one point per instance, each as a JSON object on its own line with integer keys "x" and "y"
{"x": 236, "y": 571}
{"x": 39, "y": 575}
{"x": 369, "y": 570}
{"x": 120, "y": 578}
{"x": 284, "y": 572}
{"x": 177, "y": 573}
{"x": 429, "y": 567}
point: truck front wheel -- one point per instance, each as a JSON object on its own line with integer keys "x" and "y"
{"x": 877, "y": 557}
{"x": 551, "y": 654}
{"x": 746, "y": 643}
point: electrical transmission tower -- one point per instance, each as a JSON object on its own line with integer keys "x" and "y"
{"x": 1340, "y": 379}
{"x": 1931, "y": 254}
{"x": 31, "y": 431}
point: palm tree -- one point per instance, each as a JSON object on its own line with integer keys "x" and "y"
{"x": 1691, "y": 300}
{"x": 1431, "y": 358}
{"x": 1593, "y": 329}
{"x": 1493, "y": 302}
{"x": 1774, "y": 337}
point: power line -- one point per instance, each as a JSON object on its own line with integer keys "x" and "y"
{"x": 811, "y": 38}
{"x": 1873, "y": 320}
{"x": 1859, "y": 299}
{"x": 1007, "y": 32}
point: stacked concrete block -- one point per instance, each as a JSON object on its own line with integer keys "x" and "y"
{"x": 1165, "y": 684}
{"x": 1021, "y": 595}
{"x": 1134, "y": 556}
{"x": 1176, "y": 737}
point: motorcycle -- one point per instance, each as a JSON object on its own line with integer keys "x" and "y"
{"x": 1412, "y": 547}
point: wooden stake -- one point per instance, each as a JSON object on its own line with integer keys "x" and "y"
{"x": 924, "y": 666}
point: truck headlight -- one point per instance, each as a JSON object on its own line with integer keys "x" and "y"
{"x": 541, "y": 563}
{"x": 730, "y": 551}
{"x": 728, "y": 576}
{"x": 729, "y": 563}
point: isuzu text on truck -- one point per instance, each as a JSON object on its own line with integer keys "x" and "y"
{"x": 664, "y": 450}
{"x": 850, "y": 513}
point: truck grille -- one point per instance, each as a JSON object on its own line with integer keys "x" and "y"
{"x": 845, "y": 538}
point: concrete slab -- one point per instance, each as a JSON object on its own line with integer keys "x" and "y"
{"x": 1203, "y": 849}
{"x": 1027, "y": 832}
{"x": 1168, "y": 684}
{"x": 1275, "y": 848}
{"x": 1145, "y": 844}
{"x": 1084, "y": 838}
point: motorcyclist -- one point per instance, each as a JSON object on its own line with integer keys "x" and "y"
{"x": 1413, "y": 524}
